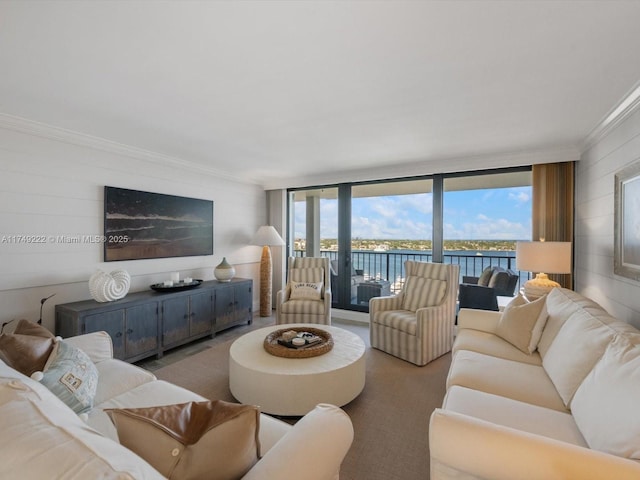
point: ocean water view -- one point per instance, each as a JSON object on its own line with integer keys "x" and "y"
{"x": 389, "y": 264}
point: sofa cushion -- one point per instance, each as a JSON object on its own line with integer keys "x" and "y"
{"x": 493, "y": 345}
{"x": 514, "y": 414}
{"x": 37, "y": 425}
{"x": 576, "y": 348}
{"x": 306, "y": 290}
{"x": 71, "y": 376}
{"x": 212, "y": 440}
{"x": 402, "y": 320}
{"x": 27, "y": 348}
{"x": 421, "y": 292}
{"x": 521, "y": 323}
{"x": 116, "y": 377}
{"x": 561, "y": 303}
{"x": 516, "y": 380}
{"x": 485, "y": 276}
{"x": 313, "y": 307}
{"x": 605, "y": 406}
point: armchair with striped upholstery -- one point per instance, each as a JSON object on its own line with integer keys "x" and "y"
{"x": 305, "y": 270}
{"x": 417, "y": 324}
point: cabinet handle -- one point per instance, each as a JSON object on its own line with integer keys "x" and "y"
{"x": 185, "y": 316}
{"x": 129, "y": 330}
{"x": 118, "y": 335}
{"x": 193, "y": 314}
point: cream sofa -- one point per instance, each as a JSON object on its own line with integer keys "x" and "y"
{"x": 40, "y": 437}
{"x": 569, "y": 410}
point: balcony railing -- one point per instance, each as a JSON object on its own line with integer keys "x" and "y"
{"x": 390, "y": 265}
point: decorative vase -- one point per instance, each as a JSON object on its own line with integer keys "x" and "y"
{"x": 225, "y": 271}
{"x": 106, "y": 287}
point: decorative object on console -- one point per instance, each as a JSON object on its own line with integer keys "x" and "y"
{"x": 106, "y": 287}
{"x": 265, "y": 237}
{"x": 224, "y": 272}
{"x": 547, "y": 257}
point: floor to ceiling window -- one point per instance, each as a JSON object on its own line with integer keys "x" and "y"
{"x": 368, "y": 230}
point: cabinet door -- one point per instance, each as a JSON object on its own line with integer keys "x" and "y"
{"x": 142, "y": 329}
{"x": 224, "y": 308}
{"x": 111, "y": 322}
{"x": 175, "y": 320}
{"x": 243, "y": 302}
{"x": 201, "y": 313}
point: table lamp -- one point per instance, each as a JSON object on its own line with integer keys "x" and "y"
{"x": 548, "y": 257}
{"x": 266, "y": 236}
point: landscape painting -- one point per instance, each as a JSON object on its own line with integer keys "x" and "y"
{"x": 142, "y": 225}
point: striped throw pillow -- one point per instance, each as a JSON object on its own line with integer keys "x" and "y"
{"x": 420, "y": 292}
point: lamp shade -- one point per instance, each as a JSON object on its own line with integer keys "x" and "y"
{"x": 547, "y": 257}
{"x": 267, "y": 235}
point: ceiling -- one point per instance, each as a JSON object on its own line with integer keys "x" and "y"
{"x": 284, "y": 93}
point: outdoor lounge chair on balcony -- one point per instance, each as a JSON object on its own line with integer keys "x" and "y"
{"x": 417, "y": 324}
{"x": 482, "y": 292}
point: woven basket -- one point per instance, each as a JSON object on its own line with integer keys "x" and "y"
{"x": 272, "y": 346}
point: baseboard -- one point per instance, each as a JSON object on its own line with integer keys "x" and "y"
{"x": 350, "y": 316}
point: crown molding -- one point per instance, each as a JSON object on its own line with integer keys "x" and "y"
{"x": 430, "y": 167}
{"x": 625, "y": 108}
{"x": 43, "y": 130}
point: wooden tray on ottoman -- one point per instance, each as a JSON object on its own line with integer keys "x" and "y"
{"x": 272, "y": 346}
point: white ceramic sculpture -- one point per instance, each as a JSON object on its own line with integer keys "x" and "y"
{"x": 106, "y": 287}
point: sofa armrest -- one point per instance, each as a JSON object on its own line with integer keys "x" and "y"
{"x": 97, "y": 345}
{"x": 483, "y": 320}
{"x": 313, "y": 449}
{"x": 462, "y": 444}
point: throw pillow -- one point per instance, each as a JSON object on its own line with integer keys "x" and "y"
{"x": 421, "y": 292}
{"x": 519, "y": 321}
{"x": 485, "y": 276}
{"x": 27, "y": 348}
{"x": 71, "y": 376}
{"x": 212, "y": 440}
{"x": 605, "y": 406}
{"x": 306, "y": 291}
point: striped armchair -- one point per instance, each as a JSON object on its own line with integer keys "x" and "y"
{"x": 296, "y": 303}
{"x": 417, "y": 324}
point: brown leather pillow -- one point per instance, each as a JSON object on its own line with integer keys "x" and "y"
{"x": 27, "y": 349}
{"x": 213, "y": 440}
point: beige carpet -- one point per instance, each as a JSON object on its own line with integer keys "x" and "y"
{"x": 390, "y": 417}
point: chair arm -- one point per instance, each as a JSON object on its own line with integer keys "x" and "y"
{"x": 313, "y": 449}
{"x": 381, "y": 304}
{"x": 470, "y": 280}
{"x": 97, "y": 345}
{"x": 463, "y": 444}
{"x": 483, "y": 320}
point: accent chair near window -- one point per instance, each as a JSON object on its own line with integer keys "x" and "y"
{"x": 417, "y": 324}
{"x": 307, "y": 295}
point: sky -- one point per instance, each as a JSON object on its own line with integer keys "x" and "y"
{"x": 486, "y": 214}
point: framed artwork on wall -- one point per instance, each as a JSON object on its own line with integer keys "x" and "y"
{"x": 141, "y": 225}
{"x": 626, "y": 254}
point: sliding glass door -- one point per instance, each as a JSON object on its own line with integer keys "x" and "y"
{"x": 369, "y": 229}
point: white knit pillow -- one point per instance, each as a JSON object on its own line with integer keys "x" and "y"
{"x": 420, "y": 292}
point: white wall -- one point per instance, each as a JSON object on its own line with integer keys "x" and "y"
{"x": 595, "y": 185}
{"x": 51, "y": 187}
